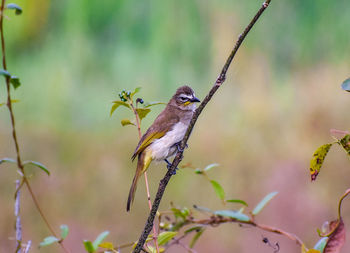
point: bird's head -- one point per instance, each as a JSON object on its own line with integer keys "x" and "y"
{"x": 185, "y": 98}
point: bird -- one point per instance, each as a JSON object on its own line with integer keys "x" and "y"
{"x": 162, "y": 139}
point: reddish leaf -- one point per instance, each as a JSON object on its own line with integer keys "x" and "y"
{"x": 337, "y": 238}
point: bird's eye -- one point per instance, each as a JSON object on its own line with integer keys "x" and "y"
{"x": 183, "y": 99}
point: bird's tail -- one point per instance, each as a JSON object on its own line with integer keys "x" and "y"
{"x": 142, "y": 164}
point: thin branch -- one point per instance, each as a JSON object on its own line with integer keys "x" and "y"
{"x": 26, "y": 250}
{"x": 14, "y": 134}
{"x": 217, "y": 220}
{"x": 18, "y": 218}
{"x": 138, "y": 124}
{"x": 220, "y": 80}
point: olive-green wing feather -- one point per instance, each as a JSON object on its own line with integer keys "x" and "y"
{"x": 145, "y": 141}
{"x": 162, "y": 124}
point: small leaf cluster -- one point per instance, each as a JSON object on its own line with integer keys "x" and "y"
{"x": 14, "y": 80}
{"x": 182, "y": 222}
{"x": 90, "y": 247}
{"x": 52, "y": 239}
{"x": 126, "y": 99}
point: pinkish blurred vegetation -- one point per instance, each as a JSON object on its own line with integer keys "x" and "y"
{"x": 281, "y": 98}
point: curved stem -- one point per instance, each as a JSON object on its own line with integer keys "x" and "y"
{"x": 215, "y": 220}
{"x": 14, "y": 135}
{"x": 138, "y": 124}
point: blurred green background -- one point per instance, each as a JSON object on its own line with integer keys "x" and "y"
{"x": 281, "y": 98}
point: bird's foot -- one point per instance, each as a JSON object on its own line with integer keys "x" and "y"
{"x": 169, "y": 166}
{"x": 178, "y": 146}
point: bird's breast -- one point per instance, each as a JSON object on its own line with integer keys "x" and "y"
{"x": 163, "y": 147}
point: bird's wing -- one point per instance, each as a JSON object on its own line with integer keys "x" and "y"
{"x": 162, "y": 124}
{"x": 145, "y": 142}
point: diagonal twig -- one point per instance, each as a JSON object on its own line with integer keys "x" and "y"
{"x": 220, "y": 80}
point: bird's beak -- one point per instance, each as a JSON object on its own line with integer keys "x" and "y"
{"x": 194, "y": 99}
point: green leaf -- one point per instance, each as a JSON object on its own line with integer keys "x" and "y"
{"x": 321, "y": 244}
{"x": 18, "y": 10}
{"x": 196, "y": 228}
{"x": 15, "y": 82}
{"x": 198, "y": 171}
{"x": 117, "y": 104}
{"x": 88, "y": 246}
{"x": 218, "y": 189}
{"x": 12, "y": 102}
{"x": 39, "y": 165}
{"x": 185, "y": 211}
{"x": 210, "y": 166}
{"x": 263, "y": 202}
{"x": 5, "y": 73}
{"x": 142, "y": 112}
{"x": 100, "y": 239}
{"x": 177, "y": 213}
{"x": 346, "y": 85}
{"x": 48, "y": 240}
{"x": 196, "y": 237}
{"x": 107, "y": 245}
{"x": 151, "y": 249}
{"x": 126, "y": 122}
{"x": 232, "y": 214}
{"x": 165, "y": 237}
{"x": 237, "y": 201}
{"x": 7, "y": 160}
{"x": 146, "y": 105}
{"x": 345, "y": 143}
{"x": 135, "y": 91}
{"x": 64, "y": 231}
{"x": 318, "y": 159}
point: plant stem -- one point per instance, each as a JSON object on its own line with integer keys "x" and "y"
{"x": 138, "y": 124}
{"x": 14, "y": 134}
{"x": 217, "y": 220}
{"x": 18, "y": 225}
{"x": 220, "y": 80}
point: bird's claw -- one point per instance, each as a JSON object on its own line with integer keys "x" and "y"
{"x": 169, "y": 166}
{"x": 178, "y": 146}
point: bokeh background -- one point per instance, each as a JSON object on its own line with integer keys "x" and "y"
{"x": 281, "y": 98}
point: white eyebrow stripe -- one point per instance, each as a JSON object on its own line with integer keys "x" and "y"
{"x": 186, "y": 96}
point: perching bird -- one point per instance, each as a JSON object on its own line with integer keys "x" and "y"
{"x": 162, "y": 138}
